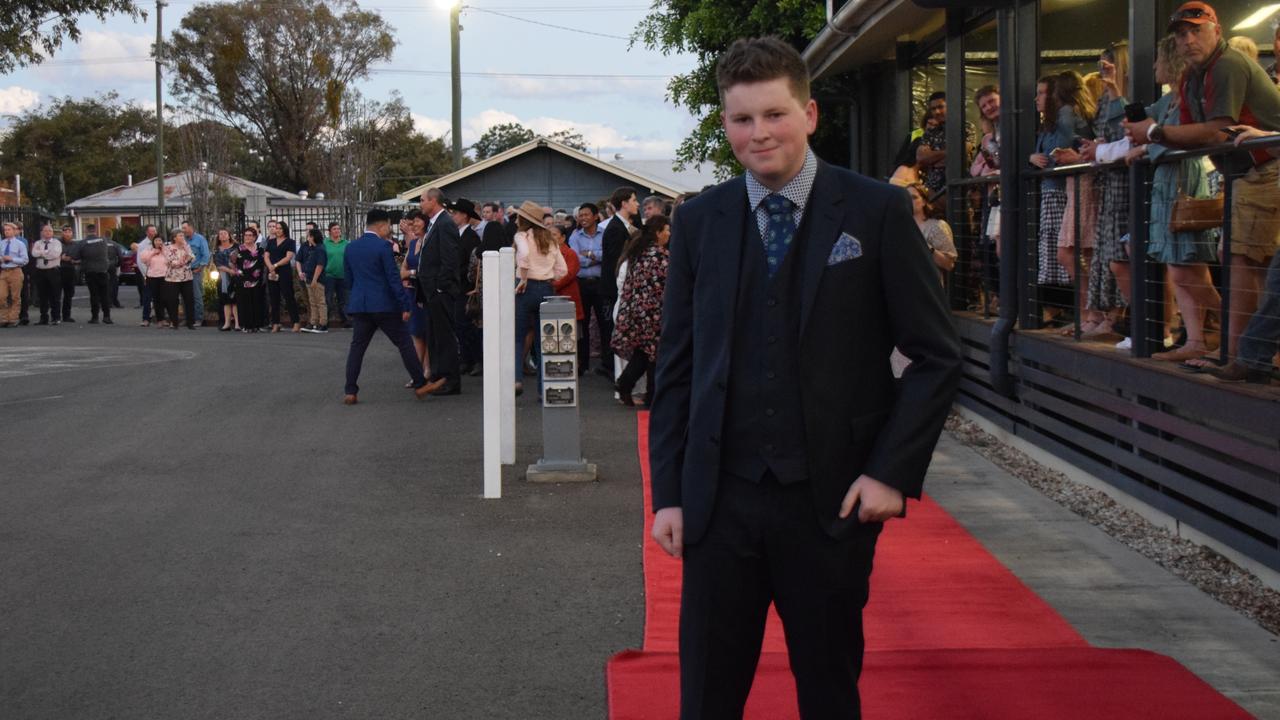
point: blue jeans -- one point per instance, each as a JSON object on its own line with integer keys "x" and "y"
{"x": 335, "y": 296}
{"x": 197, "y": 289}
{"x": 527, "y": 303}
{"x": 1258, "y": 342}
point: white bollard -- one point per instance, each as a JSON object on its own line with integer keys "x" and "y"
{"x": 507, "y": 352}
{"x": 491, "y": 308}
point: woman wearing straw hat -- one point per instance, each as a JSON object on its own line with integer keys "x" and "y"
{"x": 538, "y": 264}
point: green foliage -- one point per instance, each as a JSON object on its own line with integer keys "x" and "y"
{"x": 500, "y": 138}
{"x": 404, "y": 157}
{"x": 88, "y": 145}
{"x": 31, "y": 30}
{"x": 279, "y": 71}
{"x": 570, "y": 137}
{"x": 127, "y": 235}
{"x": 706, "y": 28}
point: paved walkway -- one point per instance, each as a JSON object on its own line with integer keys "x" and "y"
{"x": 196, "y": 527}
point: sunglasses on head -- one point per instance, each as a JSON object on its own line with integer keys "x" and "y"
{"x": 1188, "y": 14}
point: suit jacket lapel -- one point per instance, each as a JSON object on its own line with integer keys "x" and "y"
{"x": 726, "y": 255}
{"x": 822, "y": 215}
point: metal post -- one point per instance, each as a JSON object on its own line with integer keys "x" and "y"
{"x": 159, "y": 115}
{"x": 557, "y": 336}
{"x": 1078, "y": 311}
{"x": 955, "y": 169}
{"x": 456, "y": 71}
{"x": 1224, "y": 260}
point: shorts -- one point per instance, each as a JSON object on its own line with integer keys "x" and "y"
{"x": 1255, "y": 213}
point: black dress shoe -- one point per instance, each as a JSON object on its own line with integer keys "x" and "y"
{"x": 93, "y": 321}
{"x": 43, "y": 322}
{"x": 107, "y": 321}
{"x": 24, "y": 321}
{"x": 455, "y": 389}
{"x": 68, "y": 319}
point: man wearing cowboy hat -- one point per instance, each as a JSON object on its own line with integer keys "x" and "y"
{"x": 467, "y": 219}
{"x": 437, "y": 290}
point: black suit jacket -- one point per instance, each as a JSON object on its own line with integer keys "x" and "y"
{"x": 612, "y": 244}
{"x": 494, "y": 237}
{"x": 857, "y": 418}
{"x": 438, "y": 263}
{"x": 468, "y": 243}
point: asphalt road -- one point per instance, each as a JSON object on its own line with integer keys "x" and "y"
{"x": 192, "y": 525}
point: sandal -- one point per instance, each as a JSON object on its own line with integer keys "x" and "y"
{"x": 1186, "y": 352}
{"x": 1200, "y": 364}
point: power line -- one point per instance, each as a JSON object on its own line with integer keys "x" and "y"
{"x": 498, "y": 75}
{"x": 401, "y": 71}
{"x": 548, "y": 25}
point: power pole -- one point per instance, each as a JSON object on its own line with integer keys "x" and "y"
{"x": 159, "y": 115}
{"x": 454, "y": 40}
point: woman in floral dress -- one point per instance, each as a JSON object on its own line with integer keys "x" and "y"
{"x": 635, "y": 334}
{"x": 249, "y": 263}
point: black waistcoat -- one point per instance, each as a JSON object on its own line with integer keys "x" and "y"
{"x": 764, "y": 425}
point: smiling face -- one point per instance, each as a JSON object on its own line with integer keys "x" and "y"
{"x": 989, "y": 106}
{"x": 768, "y": 129}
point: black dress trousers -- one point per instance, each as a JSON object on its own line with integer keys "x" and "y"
{"x": 764, "y": 544}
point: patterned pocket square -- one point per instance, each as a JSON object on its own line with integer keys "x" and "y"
{"x": 846, "y": 248}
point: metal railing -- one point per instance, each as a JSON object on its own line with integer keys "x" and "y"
{"x": 1145, "y": 298}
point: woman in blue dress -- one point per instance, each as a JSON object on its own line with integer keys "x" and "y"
{"x": 1187, "y": 254}
{"x": 415, "y": 226}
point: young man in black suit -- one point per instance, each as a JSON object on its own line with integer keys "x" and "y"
{"x": 437, "y": 287}
{"x": 780, "y": 453}
{"x": 617, "y": 234}
{"x": 467, "y": 219}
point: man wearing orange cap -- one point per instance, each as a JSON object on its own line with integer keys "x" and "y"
{"x": 1224, "y": 87}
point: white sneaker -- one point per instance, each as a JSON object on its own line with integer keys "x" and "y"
{"x": 1125, "y": 344}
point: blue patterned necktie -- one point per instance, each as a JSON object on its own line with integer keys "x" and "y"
{"x": 780, "y": 230}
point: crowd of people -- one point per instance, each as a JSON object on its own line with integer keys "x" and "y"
{"x": 1217, "y": 92}
{"x": 608, "y": 256}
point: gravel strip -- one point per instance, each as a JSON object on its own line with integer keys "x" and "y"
{"x": 1206, "y": 569}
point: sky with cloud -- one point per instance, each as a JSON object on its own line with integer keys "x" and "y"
{"x": 516, "y": 68}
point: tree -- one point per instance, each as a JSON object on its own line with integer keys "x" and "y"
{"x": 75, "y": 148}
{"x": 377, "y": 152}
{"x": 32, "y": 30}
{"x": 570, "y": 137}
{"x": 280, "y": 71}
{"x": 706, "y": 28}
{"x": 501, "y": 138}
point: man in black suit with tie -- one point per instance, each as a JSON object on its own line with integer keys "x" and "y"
{"x": 437, "y": 281}
{"x": 780, "y": 441}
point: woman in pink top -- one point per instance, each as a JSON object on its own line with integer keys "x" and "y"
{"x": 177, "y": 280}
{"x": 154, "y": 267}
{"x": 538, "y": 264}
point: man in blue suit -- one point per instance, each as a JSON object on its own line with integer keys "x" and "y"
{"x": 780, "y": 441}
{"x": 378, "y": 301}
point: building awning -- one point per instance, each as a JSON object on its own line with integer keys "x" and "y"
{"x": 866, "y": 31}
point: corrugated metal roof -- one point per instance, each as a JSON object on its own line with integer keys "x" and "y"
{"x": 177, "y": 191}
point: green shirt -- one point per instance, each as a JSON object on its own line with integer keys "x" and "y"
{"x": 1231, "y": 85}
{"x": 335, "y": 252}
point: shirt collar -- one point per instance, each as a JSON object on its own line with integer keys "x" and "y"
{"x": 796, "y": 190}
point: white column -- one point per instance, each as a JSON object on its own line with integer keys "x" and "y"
{"x": 493, "y": 385}
{"x": 507, "y": 351}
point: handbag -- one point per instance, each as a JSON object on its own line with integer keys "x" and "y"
{"x": 1193, "y": 214}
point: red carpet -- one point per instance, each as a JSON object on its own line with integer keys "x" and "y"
{"x": 951, "y": 633}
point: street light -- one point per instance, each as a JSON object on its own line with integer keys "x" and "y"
{"x": 455, "y": 10}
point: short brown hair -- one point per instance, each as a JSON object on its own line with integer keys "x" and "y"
{"x": 984, "y": 91}
{"x": 753, "y": 60}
